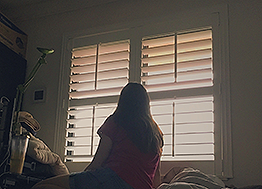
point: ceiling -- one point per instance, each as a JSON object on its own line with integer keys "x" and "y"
{"x": 8, "y": 4}
{"x": 17, "y": 3}
{"x": 20, "y": 10}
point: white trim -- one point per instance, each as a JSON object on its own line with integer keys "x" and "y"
{"x": 223, "y": 166}
{"x": 62, "y": 97}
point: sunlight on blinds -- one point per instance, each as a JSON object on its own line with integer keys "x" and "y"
{"x": 188, "y": 127}
{"x": 81, "y": 137}
{"x": 174, "y": 62}
{"x": 168, "y": 63}
{"x": 177, "y": 61}
{"x": 96, "y": 71}
{"x": 99, "y": 70}
{"x": 187, "y": 124}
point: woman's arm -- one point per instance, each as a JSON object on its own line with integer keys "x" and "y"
{"x": 102, "y": 153}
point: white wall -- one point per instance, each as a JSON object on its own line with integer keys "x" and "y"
{"x": 245, "y": 46}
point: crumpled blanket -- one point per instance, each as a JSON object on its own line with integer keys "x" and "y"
{"x": 191, "y": 178}
{"x": 40, "y": 152}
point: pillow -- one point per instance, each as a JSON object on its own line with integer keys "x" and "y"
{"x": 39, "y": 151}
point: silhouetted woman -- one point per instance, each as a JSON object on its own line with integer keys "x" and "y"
{"x": 129, "y": 150}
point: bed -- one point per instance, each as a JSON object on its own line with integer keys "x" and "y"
{"x": 190, "y": 178}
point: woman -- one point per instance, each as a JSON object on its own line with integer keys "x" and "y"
{"x": 129, "y": 150}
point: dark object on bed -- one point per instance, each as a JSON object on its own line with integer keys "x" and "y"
{"x": 36, "y": 169}
{"x": 16, "y": 181}
{"x": 40, "y": 152}
{"x": 251, "y": 187}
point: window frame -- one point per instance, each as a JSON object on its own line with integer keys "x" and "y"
{"x": 215, "y": 17}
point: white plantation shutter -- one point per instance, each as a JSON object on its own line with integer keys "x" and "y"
{"x": 173, "y": 63}
{"x": 169, "y": 63}
{"x": 81, "y": 137}
{"x": 188, "y": 127}
{"x": 97, "y": 71}
{"x": 178, "y": 61}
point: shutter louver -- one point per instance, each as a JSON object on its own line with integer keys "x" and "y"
{"x": 81, "y": 131}
{"x": 177, "y": 62}
{"x": 97, "y": 71}
{"x": 188, "y": 127}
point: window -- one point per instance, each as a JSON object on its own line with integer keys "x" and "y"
{"x": 169, "y": 63}
{"x": 185, "y": 72}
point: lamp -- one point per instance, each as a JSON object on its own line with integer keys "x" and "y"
{"x": 16, "y": 128}
{"x": 19, "y": 139}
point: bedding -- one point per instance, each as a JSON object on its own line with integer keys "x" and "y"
{"x": 40, "y": 152}
{"x": 249, "y": 187}
{"x": 190, "y": 178}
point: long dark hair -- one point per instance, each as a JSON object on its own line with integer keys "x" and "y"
{"x": 133, "y": 114}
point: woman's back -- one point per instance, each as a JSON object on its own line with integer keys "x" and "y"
{"x": 129, "y": 148}
{"x": 133, "y": 114}
{"x": 132, "y": 165}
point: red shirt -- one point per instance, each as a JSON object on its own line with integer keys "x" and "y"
{"x": 129, "y": 163}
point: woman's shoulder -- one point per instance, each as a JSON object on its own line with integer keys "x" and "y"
{"x": 109, "y": 120}
{"x": 109, "y": 126}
